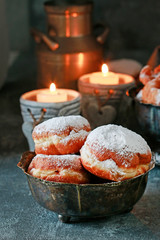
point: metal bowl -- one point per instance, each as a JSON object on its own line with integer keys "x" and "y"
{"x": 148, "y": 115}
{"x": 85, "y": 200}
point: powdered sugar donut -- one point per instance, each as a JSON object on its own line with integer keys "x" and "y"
{"x": 146, "y": 74}
{"x": 61, "y": 135}
{"x": 59, "y": 168}
{"x": 151, "y": 92}
{"x": 115, "y": 153}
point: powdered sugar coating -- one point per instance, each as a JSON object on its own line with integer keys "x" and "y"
{"x": 64, "y": 168}
{"x": 42, "y": 161}
{"x": 151, "y": 92}
{"x": 82, "y": 134}
{"x": 145, "y": 74}
{"x": 108, "y": 168}
{"x": 60, "y": 124}
{"x": 61, "y": 135}
{"x": 116, "y": 153}
{"x": 117, "y": 138}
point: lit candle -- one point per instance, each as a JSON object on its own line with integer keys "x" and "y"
{"x": 52, "y": 95}
{"x": 104, "y": 77}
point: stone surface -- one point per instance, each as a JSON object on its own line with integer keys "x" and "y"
{"x": 22, "y": 218}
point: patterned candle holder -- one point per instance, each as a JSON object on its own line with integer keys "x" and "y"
{"x": 103, "y": 103}
{"x": 34, "y": 112}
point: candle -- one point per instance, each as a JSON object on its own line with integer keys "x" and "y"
{"x": 104, "y": 77}
{"x": 52, "y": 95}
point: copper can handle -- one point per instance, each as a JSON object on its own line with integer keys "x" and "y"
{"x": 38, "y": 37}
{"x": 101, "y": 38}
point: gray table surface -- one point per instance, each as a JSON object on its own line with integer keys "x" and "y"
{"x": 23, "y": 218}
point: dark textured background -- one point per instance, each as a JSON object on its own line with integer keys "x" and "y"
{"x": 134, "y": 25}
{"x": 134, "y": 32}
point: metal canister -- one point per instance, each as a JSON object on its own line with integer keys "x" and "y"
{"x": 69, "y": 49}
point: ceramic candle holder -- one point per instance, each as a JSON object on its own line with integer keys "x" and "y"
{"x": 34, "y": 112}
{"x": 102, "y": 103}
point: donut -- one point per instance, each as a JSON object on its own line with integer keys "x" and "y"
{"x": 61, "y": 135}
{"x": 115, "y": 153}
{"x": 146, "y": 74}
{"x": 58, "y": 168}
{"x": 151, "y": 92}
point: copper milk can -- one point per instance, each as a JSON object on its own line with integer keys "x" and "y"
{"x": 69, "y": 49}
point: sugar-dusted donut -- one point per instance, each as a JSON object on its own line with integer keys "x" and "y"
{"x": 115, "y": 153}
{"x": 146, "y": 74}
{"x": 151, "y": 92}
{"x": 59, "y": 168}
{"x": 61, "y": 135}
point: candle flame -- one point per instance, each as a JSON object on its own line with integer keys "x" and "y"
{"x": 105, "y": 68}
{"x": 52, "y": 87}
